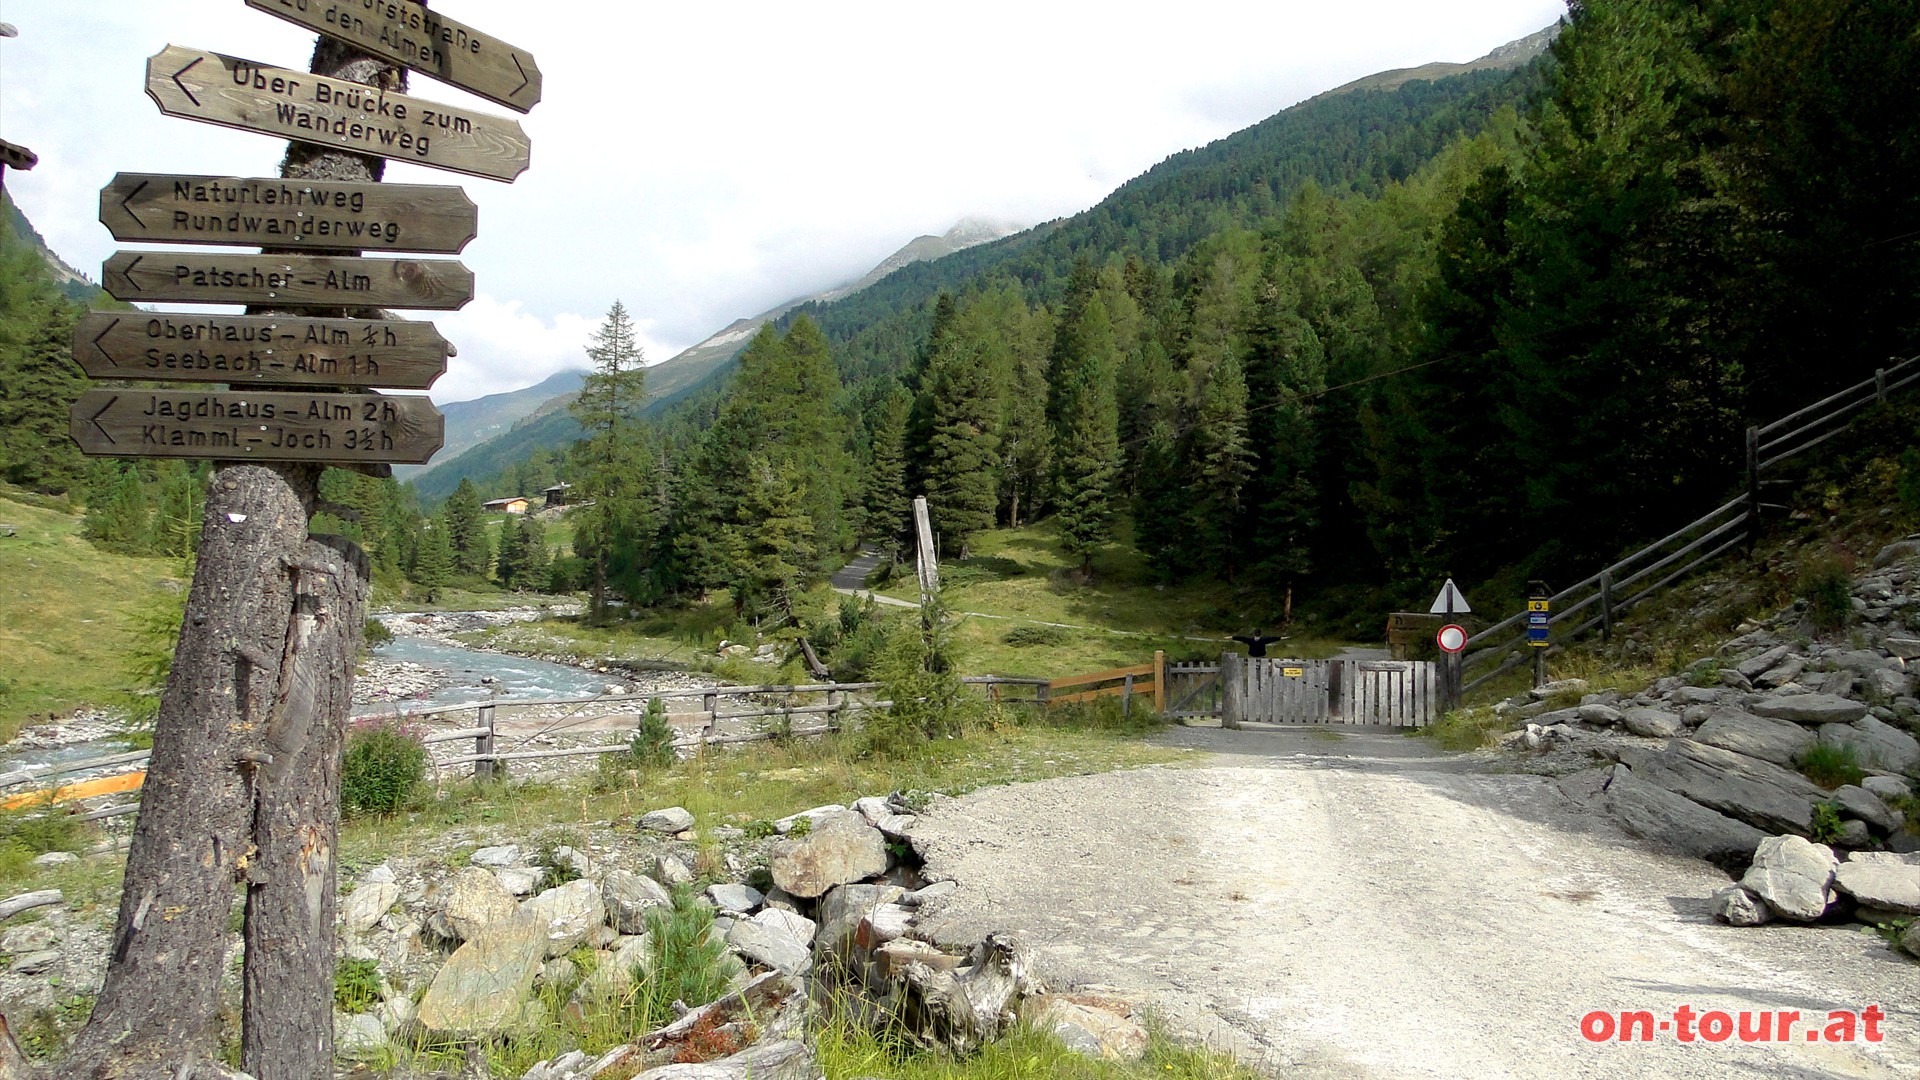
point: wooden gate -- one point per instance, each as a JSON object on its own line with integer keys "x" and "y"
{"x": 1262, "y": 690}
{"x": 1398, "y": 693}
{"x": 1269, "y": 691}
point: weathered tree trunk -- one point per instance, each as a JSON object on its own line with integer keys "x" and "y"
{"x": 964, "y": 1009}
{"x": 243, "y": 784}
{"x": 192, "y": 839}
{"x": 286, "y": 1012}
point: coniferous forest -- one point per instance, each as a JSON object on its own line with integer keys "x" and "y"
{"x": 1497, "y": 325}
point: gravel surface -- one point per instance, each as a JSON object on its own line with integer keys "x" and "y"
{"x": 1365, "y": 906}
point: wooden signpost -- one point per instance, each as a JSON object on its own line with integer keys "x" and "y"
{"x": 423, "y": 40}
{"x": 244, "y": 782}
{"x": 294, "y": 280}
{"x": 260, "y": 349}
{"x": 163, "y": 209}
{"x": 226, "y": 90}
{"x": 275, "y": 426}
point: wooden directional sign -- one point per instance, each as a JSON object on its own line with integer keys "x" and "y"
{"x": 233, "y": 426}
{"x": 277, "y": 349}
{"x": 297, "y": 280}
{"x": 17, "y": 157}
{"x": 334, "y": 113}
{"x": 155, "y": 208}
{"x": 423, "y": 40}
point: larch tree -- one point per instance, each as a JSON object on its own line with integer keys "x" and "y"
{"x": 616, "y": 517}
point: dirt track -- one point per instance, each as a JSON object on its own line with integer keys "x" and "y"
{"x": 1367, "y": 907}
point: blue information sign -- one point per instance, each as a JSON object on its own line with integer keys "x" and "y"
{"x": 1538, "y": 623}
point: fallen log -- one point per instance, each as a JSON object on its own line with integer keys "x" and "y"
{"x": 26, "y": 901}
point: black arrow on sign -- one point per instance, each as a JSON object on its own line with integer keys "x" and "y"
{"x": 95, "y": 418}
{"x": 129, "y": 198}
{"x": 103, "y": 348}
{"x": 128, "y": 272}
{"x": 524, "y": 80}
{"x": 183, "y": 86}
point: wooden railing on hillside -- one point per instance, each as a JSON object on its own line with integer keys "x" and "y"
{"x": 1595, "y": 602}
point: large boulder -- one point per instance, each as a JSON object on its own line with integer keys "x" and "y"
{"x": 1794, "y": 876}
{"x": 499, "y": 856}
{"x": 673, "y": 819}
{"x": 628, "y": 896}
{"x": 1875, "y": 745}
{"x": 1676, "y": 822}
{"x": 840, "y": 849}
{"x": 569, "y": 913}
{"x": 1652, "y": 723}
{"x": 1858, "y": 802}
{"x": 771, "y": 946}
{"x": 483, "y": 986}
{"x": 734, "y": 898}
{"x": 370, "y": 900}
{"x": 1778, "y": 741}
{"x": 1757, "y": 792}
{"x": 1810, "y": 708}
{"x": 471, "y": 900}
{"x": 1759, "y": 665}
{"x": 841, "y": 911}
{"x": 1882, "y": 879}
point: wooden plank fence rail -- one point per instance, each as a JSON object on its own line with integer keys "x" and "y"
{"x": 1502, "y": 647}
{"x": 1127, "y": 681}
{"x": 41, "y": 772}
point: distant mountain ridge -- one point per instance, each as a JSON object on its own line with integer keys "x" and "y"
{"x": 517, "y": 423}
{"x": 73, "y": 283}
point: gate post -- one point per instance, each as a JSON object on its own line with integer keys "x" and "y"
{"x": 1159, "y": 680}
{"x": 1232, "y": 688}
{"x": 1753, "y": 488}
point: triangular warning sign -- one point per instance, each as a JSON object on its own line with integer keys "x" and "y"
{"x": 1450, "y": 600}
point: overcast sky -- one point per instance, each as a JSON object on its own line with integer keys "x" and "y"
{"x": 706, "y": 161}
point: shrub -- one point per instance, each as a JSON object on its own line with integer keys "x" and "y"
{"x": 689, "y": 964}
{"x": 385, "y": 764}
{"x": 1830, "y": 766}
{"x": 1827, "y": 826}
{"x": 356, "y": 985}
{"x": 652, "y": 745}
{"x": 927, "y": 703}
{"x": 1021, "y": 637}
{"x": 1828, "y": 590}
{"x": 376, "y": 634}
{"x": 1467, "y": 729}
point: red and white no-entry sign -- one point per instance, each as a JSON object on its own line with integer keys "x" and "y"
{"x": 1451, "y": 638}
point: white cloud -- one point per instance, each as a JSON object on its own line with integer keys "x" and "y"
{"x": 503, "y": 346}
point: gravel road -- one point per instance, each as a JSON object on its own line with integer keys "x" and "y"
{"x": 1365, "y": 906}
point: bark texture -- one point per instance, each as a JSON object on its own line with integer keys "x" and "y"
{"x": 244, "y": 782}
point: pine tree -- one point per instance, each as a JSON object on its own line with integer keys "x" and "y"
{"x": 467, "y": 530}
{"x": 434, "y": 563}
{"x": 1222, "y": 461}
{"x": 773, "y": 544}
{"x": 38, "y": 378}
{"x": 960, "y": 481}
{"x": 888, "y": 506}
{"x": 618, "y": 521}
{"x": 510, "y": 563}
{"x": 1087, "y": 434}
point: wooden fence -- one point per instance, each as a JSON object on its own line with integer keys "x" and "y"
{"x": 1123, "y": 683}
{"x": 726, "y": 715}
{"x": 1596, "y": 601}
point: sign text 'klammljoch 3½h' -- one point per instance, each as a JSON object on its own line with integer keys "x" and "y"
{"x": 338, "y": 221}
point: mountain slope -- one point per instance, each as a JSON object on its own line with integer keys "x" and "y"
{"x": 470, "y": 423}
{"x": 72, "y": 283}
{"x": 549, "y": 426}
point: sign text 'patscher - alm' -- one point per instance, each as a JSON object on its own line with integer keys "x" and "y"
{"x": 198, "y": 85}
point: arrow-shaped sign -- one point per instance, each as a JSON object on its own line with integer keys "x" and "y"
{"x": 426, "y": 41}
{"x": 288, "y": 214}
{"x": 339, "y": 115}
{"x": 288, "y": 350}
{"x": 196, "y": 277}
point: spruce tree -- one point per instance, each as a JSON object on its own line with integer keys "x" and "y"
{"x": 888, "y": 506}
{"x": 467, "y": 530}
{"x": 1087, "y": 436}
{"x": 1222, "y": 460}
{"x": 617, "y": 520}
{"x": 434, "y": 563}
{"x": 960, "y": 481}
